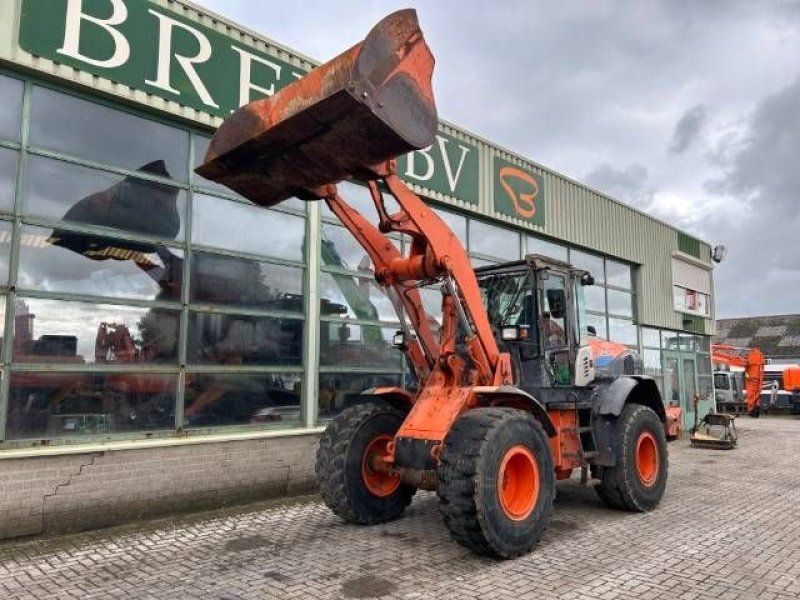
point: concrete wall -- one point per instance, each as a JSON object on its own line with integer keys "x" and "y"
{"x": 58, "y": 494}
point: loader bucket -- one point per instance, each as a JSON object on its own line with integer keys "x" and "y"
{"x": 370, "y": 104}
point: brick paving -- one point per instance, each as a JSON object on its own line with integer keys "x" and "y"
{"x": 728, "y": 528}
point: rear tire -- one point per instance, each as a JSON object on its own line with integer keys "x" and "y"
{"x": 347, "y": 484}
{"x": 638, "y": 480}
{"x": 496, "y": 481}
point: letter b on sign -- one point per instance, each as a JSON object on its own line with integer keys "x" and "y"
{"x": 518, "y": 192}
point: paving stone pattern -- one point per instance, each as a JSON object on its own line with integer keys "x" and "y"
{"x": 727, "y": 529}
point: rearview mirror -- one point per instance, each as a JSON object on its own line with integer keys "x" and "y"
{"x": 557, "y": 301}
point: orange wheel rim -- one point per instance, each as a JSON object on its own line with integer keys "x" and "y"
{"x": 379, "y": 482}
{"x": 647, "y": 461}
{"x": 518, "y": 483}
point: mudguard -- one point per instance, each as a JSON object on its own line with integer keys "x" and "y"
{"x": 513, "y": 397}
{"x": 638, "y": 389}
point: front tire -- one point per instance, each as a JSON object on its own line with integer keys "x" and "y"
{"x": 638, "y": 480}
{"x": 348, "y": 482}
{"x": 496, "y": 481}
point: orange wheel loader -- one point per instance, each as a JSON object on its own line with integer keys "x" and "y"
{"x": 511, "y": 394}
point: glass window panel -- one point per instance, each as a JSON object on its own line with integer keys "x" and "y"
{"x": 221, "y": 339}
{"x": 703, "y": 365}
{"x": 551, "y": 250}
{"x": 618, "y": 274}
{"x": 8, "y": 177}
{"x": 2, "y": 318}
{"x": 588, "y": 262}
{"x": 63, "y": 191}
{"x": 481, "y": 262}
{"x": 247, "y": 228}
{"x": 346, "y": 344}
{"x": 669, "y": 340}
{"x": 242, "y": 399}
{"x": 72, "y": 333}
{"x": 599, "y": 324}
{"x": 5, "y": 251}
{"x": 457, "y": 223}
{"x": 338, "y": 391}
{"x": 622, "y": 331}
{"x": 686, "y": 342}
{"x": 351, "y": 297}
{"x": 595, "y": 297}
{"x": 79, "y": 263}
{"x": 10, "y": 107}
{"x": 492, "y": 240}
{"x": 705, "y": 387}
{"x": 340, "y": 249}
{"x": 244, "y": 282}
{"x": 703, "y": 343}
{"x": 106, "y": 135}
{"x": 651, "y": 337}
{"x": 652, "y": 362}
{"x": 54, "y": 405}
{"x": 620, "y": 303}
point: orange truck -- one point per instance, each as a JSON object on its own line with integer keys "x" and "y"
{"x": 509, "y": 396}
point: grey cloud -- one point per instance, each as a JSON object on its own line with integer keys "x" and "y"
{"x": 630, "y": 185}
{"x": 688, "y": 129}
{"x": 762, "y": 222}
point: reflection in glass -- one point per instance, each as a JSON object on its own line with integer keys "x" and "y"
{"x": 588, "y": 262}
{"x": 48, "y": 405}
{"x": 669, "y": 340}
{"x": 5, "y": 251}
{"x": 651, "y": 337}
{"x": 545, "y": 248}
{"x": 480, "y": 262}
{"x": 599, "y": 324}
{"x": 620, "y": 303}
{"x": 8, "y": 177}
{"x": 247, "y": 228}
{"x": 70, "y": 262}
{"x": 340, "y": 249}
{"x": 10, "y": 107}
{"x": 622, "y": 331}
{"x": 57, "y": 331}
{"x": 492, "y": 240}
{"x": 218, "y": 338}
{"x": 62, "y": 191}
{"x": 351, "y": 297}
{"x": 246, "y": 283}
{"x": 338, "y": 391}
{"x": 346, "y": 344}
{"x": 595, "y": 298}
{"x": 652, "y": 362}
{"x": 242, "y": 399}
{"x": 89, "y": 130}
{"x": 618, "y": 274}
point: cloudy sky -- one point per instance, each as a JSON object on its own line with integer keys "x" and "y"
{"x": 686, "y": 109}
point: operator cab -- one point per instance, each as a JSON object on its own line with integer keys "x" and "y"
{"x": 537, "y": 309}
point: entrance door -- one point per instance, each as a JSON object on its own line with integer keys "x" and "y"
{"x": 680, "y": 383}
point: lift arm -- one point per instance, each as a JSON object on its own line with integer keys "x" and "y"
{"x": 749, "y": 359}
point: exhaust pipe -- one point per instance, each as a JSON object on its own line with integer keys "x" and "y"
{"x": 370, "y": 104}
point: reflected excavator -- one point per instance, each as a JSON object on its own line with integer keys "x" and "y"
{"x": 504, "y": 405}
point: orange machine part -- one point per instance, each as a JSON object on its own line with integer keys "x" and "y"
{"x": 518, "y": 483}
{"x": 791, "y": 379}
{"x": 374, "y": 470}
{"x": 565, "y": 446}
{"x": 752, "y": 361}
{"x": 646, "y": 459}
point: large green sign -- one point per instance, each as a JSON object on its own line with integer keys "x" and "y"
{"x": 147, "y": 47}
{"x": 449, "y": 166}
{"x": 150, "y": 48}
{"x": 518, "y": 192}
